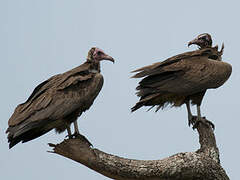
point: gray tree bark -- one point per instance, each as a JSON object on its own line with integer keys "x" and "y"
{"x": 203, "y": 164}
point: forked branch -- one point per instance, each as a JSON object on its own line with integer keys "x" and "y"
{"x": 204, "y": 164}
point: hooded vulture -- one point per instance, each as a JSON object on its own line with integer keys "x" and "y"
{"x": 58, "y": 101}
{"x": 183, "y": 78}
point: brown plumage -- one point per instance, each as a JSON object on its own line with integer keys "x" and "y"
{"x": 58, "y": 101}
{"x": 183, "y": 78}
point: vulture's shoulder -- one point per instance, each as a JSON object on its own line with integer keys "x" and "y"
{"x": 78, "y": 75}
{"x": 176, "y": 60}
{"x": 54, "y": 82}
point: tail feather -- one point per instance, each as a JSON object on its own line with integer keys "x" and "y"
{"x": 137, "y": 106}
{"x": 146, "y": 101}
{"x": 25, "y": 132}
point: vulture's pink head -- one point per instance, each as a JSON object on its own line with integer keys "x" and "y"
{"x": 97, "y": 54}
{"x": 203, "y": 41}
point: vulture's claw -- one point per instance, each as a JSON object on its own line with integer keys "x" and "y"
{"x": 191, "y": 120}
{"x": 79, "y": 136}
{"x": 205, "y": 122}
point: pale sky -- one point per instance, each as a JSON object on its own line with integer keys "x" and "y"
{"x": 43, "y": 38}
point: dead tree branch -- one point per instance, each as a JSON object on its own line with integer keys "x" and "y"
{"x": 204, "y": 164}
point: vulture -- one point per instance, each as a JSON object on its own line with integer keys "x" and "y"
{"x": 183, "y": 79}
{"x": 58, "y": 101}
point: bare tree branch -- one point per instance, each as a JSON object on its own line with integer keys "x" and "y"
{"x": 204, "y": 164}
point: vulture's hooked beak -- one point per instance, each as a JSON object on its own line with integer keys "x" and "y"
{"x": 195, "y": 41}
{"x": 109, "y": 58}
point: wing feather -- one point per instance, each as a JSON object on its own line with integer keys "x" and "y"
{"x": 184, "y": 74}
{"x": 46, "y": 93}
{"x": 53, "y": 107}
{"x": 156, "y": 67}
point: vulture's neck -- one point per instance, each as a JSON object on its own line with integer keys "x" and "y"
{"x": 215, "y": 54}
{"x": 94, "y": 66}
{"x": 204, "y": 47}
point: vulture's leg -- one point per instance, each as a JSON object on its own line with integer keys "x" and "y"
{"x": 78, "y": 135}
{"x": 201, "y": 119}
{"x": 190, "y": 116}
{"x": 197, "y": 99}
{"x": 76, "y": 128}
{"x": 69, "y": 131}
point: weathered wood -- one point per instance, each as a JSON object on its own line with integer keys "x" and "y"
{"x": 204, "y": 164}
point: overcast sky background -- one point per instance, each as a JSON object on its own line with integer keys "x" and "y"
{"x": 43, "y": 38}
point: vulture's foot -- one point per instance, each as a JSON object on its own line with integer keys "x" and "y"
{"x": 79, "y": 136}
{"x": 191, "y": 120}
{"x": 204, "y": 121}
{"x": 74, "y": 135}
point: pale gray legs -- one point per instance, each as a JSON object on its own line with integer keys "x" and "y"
{"x": 69, "y": 131}
{"x": 199, "y": 117}
{"x": 76, "y": 127}
{"x": 202, "y": 119}
{"x": 190, "y": 116}
{"x": 76, "y": 130}
{"x": 76, "y": 134}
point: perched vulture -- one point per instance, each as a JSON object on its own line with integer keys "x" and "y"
{"x": 183, "y": 78}
{"x": 58, "y": 101}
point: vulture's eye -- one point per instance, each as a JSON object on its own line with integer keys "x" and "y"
{"x": 99, "y": 53}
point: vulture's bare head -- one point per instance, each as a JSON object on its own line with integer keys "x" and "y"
{"x": 203, "y": 41}
{"x": 96, "y": 54}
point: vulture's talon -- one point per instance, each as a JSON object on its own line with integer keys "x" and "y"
{"x": 70, "y": 136}
{"x": 79, "y": 136}
{"x": 196, "y": 124}
{"x": 191, "y": 120}
{"x": 210, "y": 123}
{"x": 205, "y": 122}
